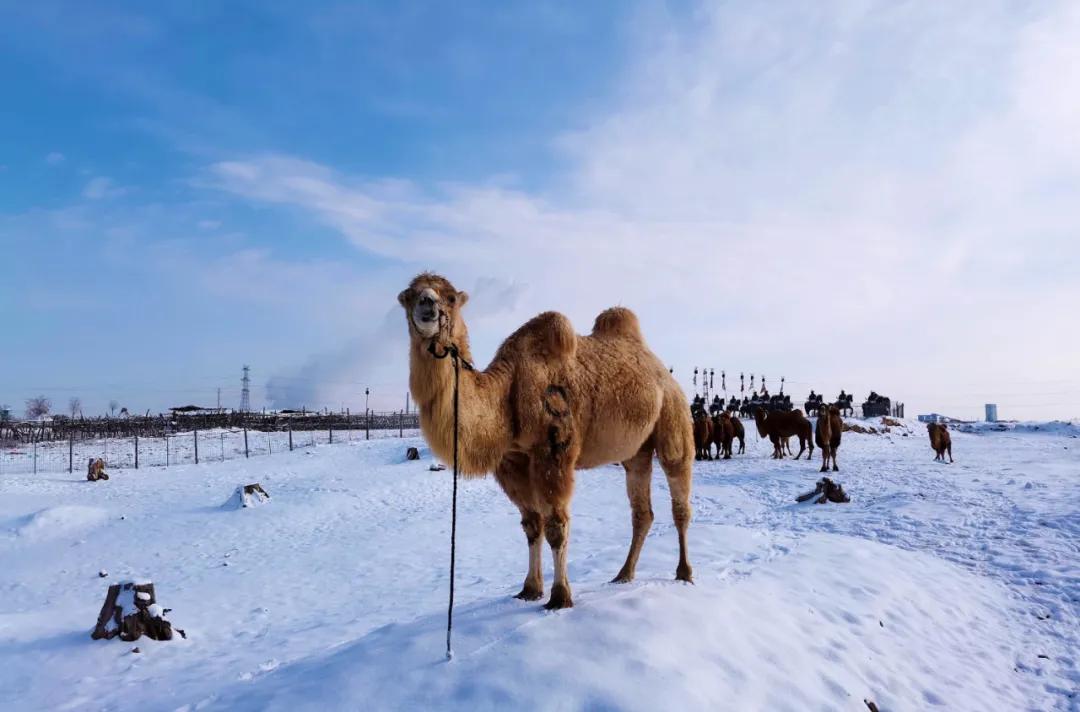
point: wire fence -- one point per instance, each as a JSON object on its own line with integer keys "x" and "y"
{"x": 186, "y": 448}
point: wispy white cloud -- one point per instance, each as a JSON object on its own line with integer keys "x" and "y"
{"x": 102, "y": 187}
{"x": 897, "y": 183}
{"x": 55, "y": 158}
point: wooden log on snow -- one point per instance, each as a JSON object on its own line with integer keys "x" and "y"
{"x": 131, "y": 611}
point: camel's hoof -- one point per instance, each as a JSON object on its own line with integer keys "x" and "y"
{"x": 684, "y": 573}
{"x": 528, "y": 593}
{"x": 560, "y": 598}
{"x": 623, "y": 578}
{"x": 835, "y": 468}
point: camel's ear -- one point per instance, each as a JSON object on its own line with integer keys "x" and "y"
{"x": 462, "y": 298}
{"x": 403, "y": 298}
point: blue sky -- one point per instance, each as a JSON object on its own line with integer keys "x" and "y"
{"x": 855, "y": 194}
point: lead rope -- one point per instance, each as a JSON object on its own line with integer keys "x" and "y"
{"x": 453, "y": 509}
{"x": 455, "y": 357}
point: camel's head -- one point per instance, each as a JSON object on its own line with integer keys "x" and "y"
{"x": 432, "y": 305}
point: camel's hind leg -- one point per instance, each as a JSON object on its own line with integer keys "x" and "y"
{"x": 674, "y": 447}
{"x": 512, "y": 474}
{"x": 638, "y": 483}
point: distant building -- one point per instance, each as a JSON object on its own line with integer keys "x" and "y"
{"x": 931, "y": 418}
{"x": 991, "y": 413}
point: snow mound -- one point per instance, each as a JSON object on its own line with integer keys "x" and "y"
{"x": 247, "y": 496}
{"x": 827, "y": 623}
{"x": 61, "y": 520}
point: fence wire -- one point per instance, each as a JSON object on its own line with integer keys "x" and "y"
{"x": 187, "y": 448}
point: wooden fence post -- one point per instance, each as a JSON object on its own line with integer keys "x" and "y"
{"x": 245, "y": 443}
{"x": 290, "y": 437}
{"x": 196, "y": 446}
{"x": 331, "y": 433}
{"x": 401, "y": 425}
{"x": 136, "y": 452}
{"x": 71, "y": 450}
{"x": 367, "y": 424}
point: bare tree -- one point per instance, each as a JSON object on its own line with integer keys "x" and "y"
{"x": 37, "y": 407}
{"x": 113, "y": 405}
{"x": 75, "y": 407}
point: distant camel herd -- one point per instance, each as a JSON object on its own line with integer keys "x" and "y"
{"x": 779, "y": 426}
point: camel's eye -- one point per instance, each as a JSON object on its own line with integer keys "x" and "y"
{"x": 452, "y": 299}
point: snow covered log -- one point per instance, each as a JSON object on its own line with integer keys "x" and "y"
{"x": 247, "y": 496}
{"x": 825, "y": 491}
{"x": 131, "y": 611}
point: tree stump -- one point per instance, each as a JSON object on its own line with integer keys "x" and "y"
{"x": 247, "y": 496}
{"x": 95, "y": 470}
{"x": 825, "y": 491}
{"x": 412, "y": 454}
{"x": 131, "y": 611}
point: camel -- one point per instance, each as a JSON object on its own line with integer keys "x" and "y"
{"x": 827, "y": 434}
{"x": 552, "y": 402}
{"x": 703, "y": 435}
{"x": 723, "y": 434}
{"x": 739, "y": 432}
{"x": 940, "y": 440}
{"x": 779, "y": 425}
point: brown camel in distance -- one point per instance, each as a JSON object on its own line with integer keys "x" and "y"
{"x": 739, "y": 432}
{"x": 552, "y": 402}
{"x": 779, "y": 425}
{"x": 723, "y": 434}
{"x": 827, "y": 434}
{"x": 703, "y": 436}
{"x": 940, "y": 440}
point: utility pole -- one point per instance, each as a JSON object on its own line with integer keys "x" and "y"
{"x": 219, "y": 398}
{"x": 245, "y": 390}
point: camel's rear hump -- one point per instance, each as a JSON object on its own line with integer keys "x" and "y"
{"x": 617, "y": 322}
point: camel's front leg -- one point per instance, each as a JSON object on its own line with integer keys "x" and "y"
{"x": 533, "y": 588}
{"x": 557, "y": 532}
{"x": 512, "y": 474}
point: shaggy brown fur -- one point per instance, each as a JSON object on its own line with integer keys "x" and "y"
{"x": 827, "y": 434}
{"x": 703, "y": 436}
{"x": 940, "y": 440}
{"x": 549, "y": 403}
{"x": 779, "y": 425}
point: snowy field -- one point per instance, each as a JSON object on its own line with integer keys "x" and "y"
{"x": 952, "y": 587}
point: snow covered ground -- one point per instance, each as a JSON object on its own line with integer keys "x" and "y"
{"x": 938, "y": 587}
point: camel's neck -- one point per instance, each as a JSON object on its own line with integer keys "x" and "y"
{"x": 483, "y": 408}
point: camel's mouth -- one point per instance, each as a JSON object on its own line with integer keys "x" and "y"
{"x": 425, "y": 314}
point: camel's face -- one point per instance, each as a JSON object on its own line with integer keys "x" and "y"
{"x": 431, "y": 304}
